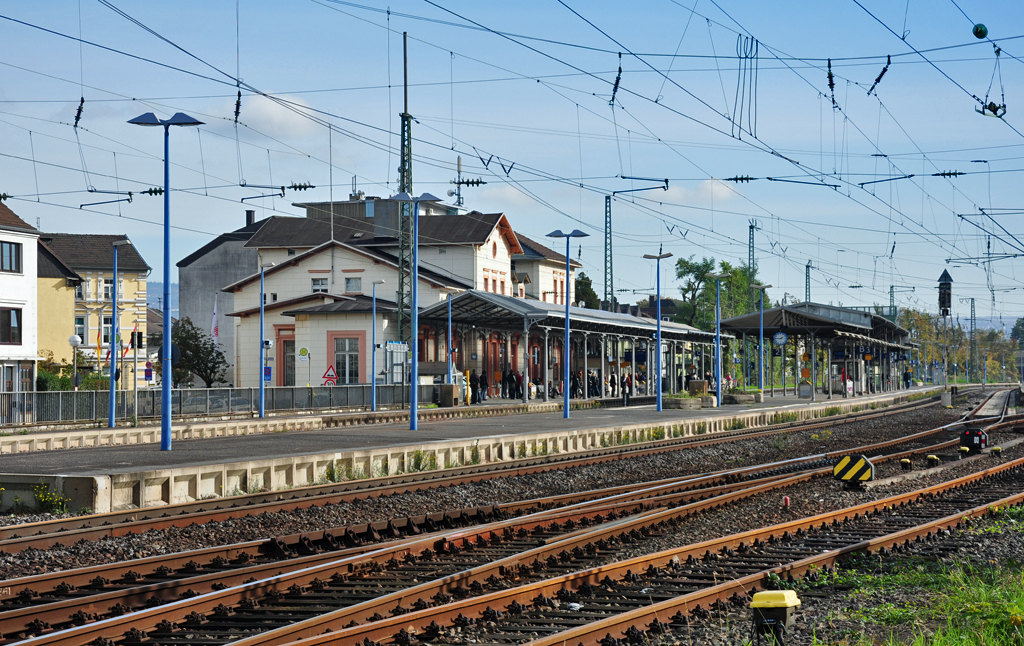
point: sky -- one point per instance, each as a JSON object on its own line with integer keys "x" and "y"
{"x": 529, "y": 95}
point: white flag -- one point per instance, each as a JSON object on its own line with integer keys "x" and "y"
{"x": 214, "y": 330}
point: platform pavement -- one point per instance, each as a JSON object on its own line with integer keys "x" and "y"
{"x": 110, "y": 460}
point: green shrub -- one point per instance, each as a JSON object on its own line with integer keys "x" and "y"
{"x": 48, "y": 501}
{"x": 735, "y": 425}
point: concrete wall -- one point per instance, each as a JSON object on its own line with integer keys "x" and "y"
{"x": 56, "y": 316}
{"x": 201, "y": 282}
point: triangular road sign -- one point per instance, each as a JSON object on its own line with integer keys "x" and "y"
{"x": 330, "y": 374}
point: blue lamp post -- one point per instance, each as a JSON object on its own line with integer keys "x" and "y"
{"x": 760, "y": 343}
{"x": 179, "y": 119}
{"x": 263, "y": 341}
{"x": 373, "y": 350}
{"x": 114, "y": 347}
{"x": 414, "y": 316}
{"x": 718, "y": 335}
{"x": 557, "y": 233}
{"x": 657, "y": 343}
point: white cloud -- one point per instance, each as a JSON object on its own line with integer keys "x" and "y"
{"x": 269, "y": 117}
{"x": 703, "y": 194}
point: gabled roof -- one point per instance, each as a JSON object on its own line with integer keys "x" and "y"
{"x": 283, "y": 232}
{"x": 238, "y": 235}
{"x": 10, "y": 220}
{"x": 533, "y": 250}
{"x": 824, "y": 321}
{"x": 93, "y": 251}
{"x": 49, "y": 265}
{"x": 432, "y": 277}
{"x": 290, "y": 302}
{"x": 346, "y": 305}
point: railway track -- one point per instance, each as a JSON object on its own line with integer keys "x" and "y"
{"x": 15, "y": 538}
{"x": 232, "y": 573}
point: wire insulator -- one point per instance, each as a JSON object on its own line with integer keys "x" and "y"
{"x": 78, "y": 114}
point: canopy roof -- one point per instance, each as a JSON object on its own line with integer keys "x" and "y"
{"x": 488, "y": 310}
{"x": 824, "y": 321}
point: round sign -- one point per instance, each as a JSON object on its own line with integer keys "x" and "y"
{"x": 780, "y": 338}
{"x": 149, "y": 364}
{"x": 303, "y": 352}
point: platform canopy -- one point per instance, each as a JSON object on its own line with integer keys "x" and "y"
{"x": 824, "y": 322}
{"x": 498, "y": 312}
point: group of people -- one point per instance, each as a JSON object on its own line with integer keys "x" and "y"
{"x": 511, "y": 386}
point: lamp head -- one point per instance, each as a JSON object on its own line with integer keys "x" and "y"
{"x": 378, "y": 282}
{"x": 557, "y": 233}
{"x": 182, "y": 119}
{"x": 122, "y": 243}
{"x": 268, "y": 265}
{"x": 75, "y": 340}
{"x": 148, "y": 119}
{"x": 576, "y": 233}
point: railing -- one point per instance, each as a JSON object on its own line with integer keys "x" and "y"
{"x": 50, "y": 407}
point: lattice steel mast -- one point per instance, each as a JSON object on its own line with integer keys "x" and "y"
{"x": 405, "y": 222}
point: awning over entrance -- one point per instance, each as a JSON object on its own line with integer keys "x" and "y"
{"x": 824, "y": 322}
{"x": 494, "y": 311}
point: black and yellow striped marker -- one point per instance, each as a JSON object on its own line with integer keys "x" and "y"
{"x": 853, "y": 469}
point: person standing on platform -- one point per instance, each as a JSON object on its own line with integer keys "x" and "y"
{"x": 504, "y": 383}
{"x": 483, "y": 386}
{"x": 474, "y": 387}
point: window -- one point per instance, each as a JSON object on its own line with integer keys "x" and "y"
{"x": 441, "y": 251}
{"x": 346, "y": 360}
{"x": 319, "y": 285}
{"x": 108, "y": 288}
{"x": 353, "y": 285}
{"x": 502, "y": 292}
{"x": 273, "y": 297}
{"x": 10, "y": 257}
{"x": 487, "y": 284}
{"x": 522, "y": 291}
{"x": 10, "y": 326}
{"x": 80, "y": 327}
{"x": 563, "y": 292}
{"x": 107, "y": 323}
{"x": 291, "y": 252}
{"x": 554, "y": 292}
{"x": 79, "y": 292}
{"x": 494, "y": 249}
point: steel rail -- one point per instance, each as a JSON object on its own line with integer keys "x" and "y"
{"x": 14, "y": 538}
{"x": 590, "y": 631}
{"x": 650, "y": 490}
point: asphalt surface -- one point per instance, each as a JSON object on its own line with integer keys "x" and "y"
{"x": 220, "y": 450}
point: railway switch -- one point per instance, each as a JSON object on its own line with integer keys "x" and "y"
{"x": 975, "y": 440}
{"x": 906, "y": 464}
{"x": 853, "y": 471}
{"x": 933, "y": 461}
{"x": 774, "y": 614}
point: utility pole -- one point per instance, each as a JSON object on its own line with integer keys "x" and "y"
{"x": 751, "y": 260}
{"x": 459, "y": 183}
{"x": 807, "y": 282}
{"x": 972, "y": 357}
{"x": 609, "y": 287}
{"x": 405, "y": 223}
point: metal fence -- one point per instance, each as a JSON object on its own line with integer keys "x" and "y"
{"x": 42, "y": 407}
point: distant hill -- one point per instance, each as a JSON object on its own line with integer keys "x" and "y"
{"x": 155, "y": 295}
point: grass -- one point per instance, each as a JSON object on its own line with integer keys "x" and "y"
{"x": 958, "y": 604}
{"x": 785, "y": 418}
{"x": 832, "y": 411}
{"x": 735, "y": 425}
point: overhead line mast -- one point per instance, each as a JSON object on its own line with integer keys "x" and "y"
{"x": 405, "y": 226}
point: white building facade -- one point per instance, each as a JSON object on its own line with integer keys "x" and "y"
{"x": 18, "y": 300}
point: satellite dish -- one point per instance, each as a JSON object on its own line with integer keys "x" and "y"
{"x": 451, "y": 193}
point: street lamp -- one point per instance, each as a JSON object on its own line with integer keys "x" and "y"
{"x": 179, "y": 119}
{"x": 75, "y": 342}
{"x": 373, "y": 350}
{"x": 657, "y": 356}
{"x": 263, "y": 341}
{"x": 575, "y": 233}
{"x": 414, "y": 398}
{"x": 114, "y": 348}
{"x": 760, "y": 343}
{"x": 718, "y": 335}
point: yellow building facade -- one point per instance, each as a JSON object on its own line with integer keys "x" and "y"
{"x": 91, "y": 257}
{"x": 55, "y": 305}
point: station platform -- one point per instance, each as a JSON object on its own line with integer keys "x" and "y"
{"x": 127, "y": 476}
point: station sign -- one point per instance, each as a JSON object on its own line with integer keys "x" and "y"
{"x": 303, "y": 354}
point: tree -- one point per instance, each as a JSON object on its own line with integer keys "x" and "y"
{"x": 200, "y": 355}
{"x": 694, "y": 275}
{"x": 585, "y": 292}
{"x": 1017, "y": 333}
